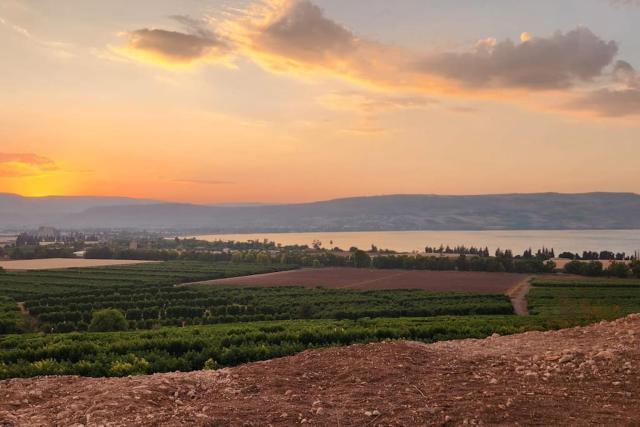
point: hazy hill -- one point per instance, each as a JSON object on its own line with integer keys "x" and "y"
{"x": 395, "y": 212}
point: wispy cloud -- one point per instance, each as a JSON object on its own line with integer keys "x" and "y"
{"x": 203, "y": 181}
{"x": 13, "y": 165}
{"x": 60, "y": 49}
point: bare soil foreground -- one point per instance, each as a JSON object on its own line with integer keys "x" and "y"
{"x": 357, "y": 278}
{"x": 581, "y": 376}
{"x": 53, "y": 263}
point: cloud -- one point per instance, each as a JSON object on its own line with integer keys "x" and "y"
{"x": 556, "y": 62}
{"x": 609, "y": 102}
{"x": 175, "y": 48}
{"x": 295, "y": 37}
{"x": 368, "y": 103}
{"x": 203, "y": 182}
{"x": 59, "y": 49}
{"x": 13, "y": 165}
{"x": 624, "y": 2}
{"x": 619, "y": 100}
{"x": 300, "y": 31}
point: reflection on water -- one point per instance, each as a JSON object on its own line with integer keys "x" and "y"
{"x": 518, "y": 240}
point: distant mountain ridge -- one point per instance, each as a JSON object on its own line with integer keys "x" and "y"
{"x": 392, "y": 212}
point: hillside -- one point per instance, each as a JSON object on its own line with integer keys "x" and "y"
{"x": 396, "y": 212}
{"x": 580, "y": 376}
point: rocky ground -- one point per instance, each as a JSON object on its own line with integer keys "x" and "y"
{"x": 581, "y": 376}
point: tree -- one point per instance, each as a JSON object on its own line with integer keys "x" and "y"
{"x": 618, "y": 269}
{"x": 567, "y": 255}
{"x": 108, "y": 320}
{"x": 593, "y": 268}
{"x": 635, "y": 268}
{"x": 574, "y": 267}
{"x": 237, "y": 257}
{"x": 361, "y": 259}
{"x": 263, "y": 258}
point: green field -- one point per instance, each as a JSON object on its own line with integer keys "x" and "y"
{"x": 189, "y": 348}
{"x": 184, "y": 328}
{"x": 586, "y": 299}
{"x": 62, "y": 300}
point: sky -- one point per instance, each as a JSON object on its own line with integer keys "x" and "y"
{"x": 221, "y": 101}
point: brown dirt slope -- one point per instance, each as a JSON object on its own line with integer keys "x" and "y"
{"x": 581, "y": 376}
{"x": 358, "y": 278}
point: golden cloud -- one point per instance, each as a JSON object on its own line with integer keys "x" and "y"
{"x": 15, "y": 165}
{"x": 296, "y": 37}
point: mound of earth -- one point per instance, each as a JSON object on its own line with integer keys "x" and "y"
{"x": 580, "y": 376}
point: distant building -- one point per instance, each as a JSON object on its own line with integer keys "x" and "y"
{"x": 133, "y": 244}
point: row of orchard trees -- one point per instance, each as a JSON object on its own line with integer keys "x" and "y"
{"x": 597, "y": 269}
{"x": 361, "y": 259}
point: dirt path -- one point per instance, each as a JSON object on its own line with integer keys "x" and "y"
{"x": 518, "y": 296}
{"x": 575, "y": 377}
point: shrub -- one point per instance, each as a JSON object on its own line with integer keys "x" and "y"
{"x": 593, "y": 268}
{"x": 108, "y": 320}
{"x": 361, "y": 259}
{"x": 573, "y": 267}
{"x": 635, "y": 268}
{"x": 210, "y": 365}
{"x": 618, "y": 269}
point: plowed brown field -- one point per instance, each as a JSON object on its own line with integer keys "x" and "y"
{"x": 354, "y": 278}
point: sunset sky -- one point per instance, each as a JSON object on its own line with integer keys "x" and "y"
{"x": 222, "y": 101}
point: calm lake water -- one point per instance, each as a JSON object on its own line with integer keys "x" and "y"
{"x": 406, "y": 241}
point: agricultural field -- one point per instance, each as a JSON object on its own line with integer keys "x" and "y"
{"x": 55, "y": 263}
{"x": 211, "y": 347}
{"x": 357, "y": 278}
{"x": 585, "y": 298}
{"x": 210, "y": 326}
{"x": 63, "y": 300}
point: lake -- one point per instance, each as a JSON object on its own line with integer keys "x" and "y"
{"x": 407, "y": 241}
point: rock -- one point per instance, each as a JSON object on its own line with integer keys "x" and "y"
{"x": 605, "y": 355}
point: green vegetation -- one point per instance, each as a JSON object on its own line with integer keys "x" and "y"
{"x": 10, "y": 318}
{"x": 590, "y": 300}
{"x": 171, "y": 328}
{"x": 596, "y": 269}
{"x": 108, "y": 320}
{"x": 501, "y": 263}
{"x": 64, "y": 300}
{"x": 198, "y": 347}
